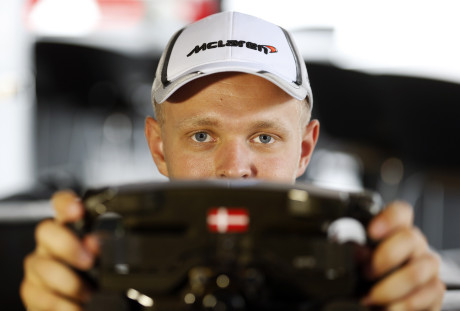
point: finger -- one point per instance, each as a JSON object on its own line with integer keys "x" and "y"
{"x": 29, "y": 273}
{"x": 68, "y": 206}
{"x": 396, "y": 215}
{"x": 402, "y": 282}
{"x": 36, "y": 298}
{"x": 56, "y": 277}
{"x": 428, "y": 297}
{"x": 58, "y": 242}
{"x": 400, "y": 247}
{"x": 91, "y": 243}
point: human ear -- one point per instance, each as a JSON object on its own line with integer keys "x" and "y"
{"x": 309, "y": 139}
{"x": 155, "y": 142}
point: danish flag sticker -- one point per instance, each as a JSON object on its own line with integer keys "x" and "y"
{"x": 228, "y": 220}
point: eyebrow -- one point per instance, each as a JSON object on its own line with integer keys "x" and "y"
{"x": 259, "y": 125}
{"x": 198, "y": 121}
{"x": 268, "y": 124}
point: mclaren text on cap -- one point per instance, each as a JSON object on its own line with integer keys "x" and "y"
{"x": 233, "y": 43}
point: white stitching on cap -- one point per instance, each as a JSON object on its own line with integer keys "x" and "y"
{"x": 231, "y": 34}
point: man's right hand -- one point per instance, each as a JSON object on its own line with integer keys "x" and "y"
{"x": 49, "y": 282}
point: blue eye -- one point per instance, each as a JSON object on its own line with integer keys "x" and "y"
{"x": 201, "y": 137}
{"x": 264, "y": 139}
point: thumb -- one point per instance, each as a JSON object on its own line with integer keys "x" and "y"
{"x": 67, "y": 206}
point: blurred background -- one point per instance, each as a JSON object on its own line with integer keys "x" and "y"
{"x": 75, "y": 78}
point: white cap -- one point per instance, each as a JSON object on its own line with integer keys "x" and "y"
{"x": 227, "y": 42}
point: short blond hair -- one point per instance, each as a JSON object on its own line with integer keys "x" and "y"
{"x": 158, "y": 112}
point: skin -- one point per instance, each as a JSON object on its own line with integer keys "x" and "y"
{"x": 231, "y": 113}
{"x": 216, "y": 128}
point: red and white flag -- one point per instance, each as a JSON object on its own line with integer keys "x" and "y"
{"x": 228, "y": 220}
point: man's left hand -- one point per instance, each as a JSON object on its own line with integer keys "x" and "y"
{"x": 408, "y": 271}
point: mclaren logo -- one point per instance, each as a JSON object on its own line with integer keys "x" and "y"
{"x": 267, "y": 49}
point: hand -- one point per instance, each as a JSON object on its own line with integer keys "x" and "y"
{"x": 408, "y": 268}
{"x": 49, "y": 282}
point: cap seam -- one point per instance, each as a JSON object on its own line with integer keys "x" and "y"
{"x": 296, "y": 59}
{"x": 164, "y": 72}
{"x": 232, "y": 31}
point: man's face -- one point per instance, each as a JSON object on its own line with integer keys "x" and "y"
{"x": 232, "y": 126}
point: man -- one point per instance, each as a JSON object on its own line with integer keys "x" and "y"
{"x": 232, "y": 100}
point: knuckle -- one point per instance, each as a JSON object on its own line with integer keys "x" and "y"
{"x": 61, "y": 279}
{"x": 50, "y": 303}
{"x": 424, "y": 270}
{"x": 23, "y": 292}
{"x": 415, "y": 275}
{"x": 35, "y": 297}
{"x": 39, "y": 298}
{"x": 56, "y": 241}
{"x": 42, "y": 229}
{"x": 74, "y": 288}
{"x": 431, "y": 265}
{"x": 420, "y": 236}
{"x": 29, "y": 264}
{"x": 401, "y": 207}
{"x": 407, "y": 234}
{"x": 435, "y": 261}
{"x": 61, "y": 199}
{"x": 62, "y": 195}
{"x": 416, "y": 238}
{"x": 381, "y": 259}
{"x": 410, "y": 303}
{"x": 440, "y": 288}
{"x": 67, "y": 306}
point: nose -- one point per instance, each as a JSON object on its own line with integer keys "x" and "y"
{"x": 234, "y": 160}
